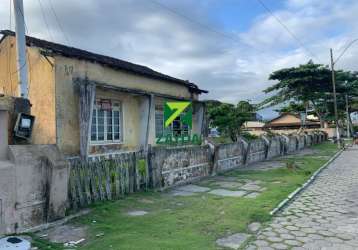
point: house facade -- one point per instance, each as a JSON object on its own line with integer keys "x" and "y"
{"x": 89, "y": 104}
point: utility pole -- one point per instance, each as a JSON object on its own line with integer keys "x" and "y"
{"x": 335, "y": 101}
{"x": 348, "y": 119}
{"x": 21, "y": 47}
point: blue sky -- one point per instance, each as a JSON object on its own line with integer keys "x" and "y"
{"x": 234, "y": 15}
{"x": 232, "y": 56}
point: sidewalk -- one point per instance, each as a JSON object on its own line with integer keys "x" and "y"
{"x": 324, "y": 216}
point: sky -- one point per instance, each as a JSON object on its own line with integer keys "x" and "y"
{"x": 228, "y": 47}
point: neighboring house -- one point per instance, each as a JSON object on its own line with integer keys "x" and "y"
{"x": 89, "y": 103}
{"x": 289, "y": 121}
{"x": 254, "y": 126}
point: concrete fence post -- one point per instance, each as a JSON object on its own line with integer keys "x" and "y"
{"x": 297, "y": 142}
{"x": 245, "y": 151}
{"x": 214, "y": 150}
{"x": 285, "y": 141}
{"x": 267, "y": 145}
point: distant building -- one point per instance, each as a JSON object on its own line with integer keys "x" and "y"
{"x": 254, "y": 126}
{"x": 288, "y": 121}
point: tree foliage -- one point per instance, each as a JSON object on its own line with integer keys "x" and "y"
{"x": 229, "y": 118}
{"x": 311, "y": 84}
{"x": 292, "y": 107}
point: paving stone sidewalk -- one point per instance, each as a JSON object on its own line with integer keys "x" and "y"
{"x": 324, "y": 216}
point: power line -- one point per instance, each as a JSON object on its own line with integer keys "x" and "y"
{"x": 345, "y": 49}
{"x": 58, "y": 22}
{"x": 204, "y": 26}
{"x": 194, "y": 21}
{"x": 286, "y": 28}
{"x": 45, "y": 20}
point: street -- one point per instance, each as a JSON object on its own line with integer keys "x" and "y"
{"x": 324, "y": 216}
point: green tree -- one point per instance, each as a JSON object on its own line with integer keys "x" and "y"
{"x": 306, "y": 83}
{"x": 311, "y": 84}
{"x": 292, "y": 107}
{"x": 229, "y": 118}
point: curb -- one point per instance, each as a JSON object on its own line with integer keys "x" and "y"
{"x": 55, "y": 223}
{"x": 293, "y": 195}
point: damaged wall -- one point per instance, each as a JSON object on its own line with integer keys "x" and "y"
{"x": 229, "y": 156}
{"x": 33, "y": 187}
{"x": 238, "y": 155}
{"x": 173, "y": 166}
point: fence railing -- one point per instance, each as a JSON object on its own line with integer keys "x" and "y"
{"x": 107, "y": 179}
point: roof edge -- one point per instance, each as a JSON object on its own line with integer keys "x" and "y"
{"x": 61, "y": 49}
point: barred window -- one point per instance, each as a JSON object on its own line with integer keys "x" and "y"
{"x": 177, "y": 128}
{"x": 106, "y": 122}
{"x": 159, "y": 123}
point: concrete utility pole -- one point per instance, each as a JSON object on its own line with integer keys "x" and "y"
{"x": 21, "y": 47}
{"x": 335, "y": 100}
{"x": 348, "y": 118}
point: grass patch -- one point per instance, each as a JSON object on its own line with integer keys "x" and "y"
{"x": 194, "y": 222}
{"x": 44, "y": 244}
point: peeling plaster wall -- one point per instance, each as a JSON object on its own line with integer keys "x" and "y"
{"x": 33, "y": 187}
{"x": 41, "y": 88}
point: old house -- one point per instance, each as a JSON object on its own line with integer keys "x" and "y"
{"x": 87, "y": 103}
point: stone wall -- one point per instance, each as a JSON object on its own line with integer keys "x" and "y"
{"x": 240, "y": 154}
{"x": 301, "y": 142}
{"x": 257, "y": 151}
{"x": 291, "y": 142}
{"x": 275, "y": 147}
{"x": 229, "y": 156}
{"x": 308, "y": 140}
{"x": 173, "y": 166}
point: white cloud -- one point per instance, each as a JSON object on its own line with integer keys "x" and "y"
{"x": 142, "y": 32}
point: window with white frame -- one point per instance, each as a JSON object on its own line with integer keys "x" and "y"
{"x": 106, "y": 122}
